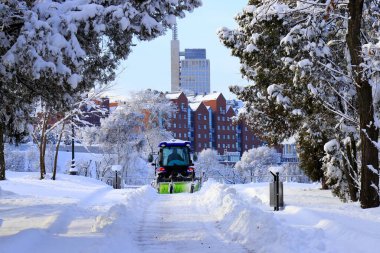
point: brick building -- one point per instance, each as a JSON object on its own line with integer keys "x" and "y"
{"x": 206, "y": 122}
{"x": 200, "y": 126}
{"x": 179, "y": 124}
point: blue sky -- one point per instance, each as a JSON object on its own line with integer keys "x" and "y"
{"x": 148, "y": 66}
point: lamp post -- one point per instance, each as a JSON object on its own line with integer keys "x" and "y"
{"x": 73, "y": 170}
{"x": 116, "y": 168}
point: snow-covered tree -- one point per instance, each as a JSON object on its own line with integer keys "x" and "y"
{"x": 333, "y": 170}
{"x": 157, "y": 111}
{"x": 254, "y": 163}
{"x": 208, "y": 164}
{"x": 312, "y": 67}
{"x": 121, "y": 134}
{"x": 54, "y": 50}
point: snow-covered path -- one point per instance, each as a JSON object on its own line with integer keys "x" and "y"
{"x": 172, "y": 223}
{"x": 81, "y": 215}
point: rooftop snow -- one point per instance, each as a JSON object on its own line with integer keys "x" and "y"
{"x": 173, "y": 95}
{"x": 194, "y": 106}
{"x": 211, "y": 96}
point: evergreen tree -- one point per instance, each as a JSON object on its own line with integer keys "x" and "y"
{"x": 294, "y": 52}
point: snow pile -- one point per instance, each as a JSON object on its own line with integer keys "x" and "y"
{"x": 121, "y": 218}
{"x": 71, "y": 214}
{"x": 244, "y": 221}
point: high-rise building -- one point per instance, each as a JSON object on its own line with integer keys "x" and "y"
{"x": 191, "y": 73}
{"x": 195, "y": 71}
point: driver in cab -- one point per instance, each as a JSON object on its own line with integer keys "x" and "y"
{"x": 174, "y": 156}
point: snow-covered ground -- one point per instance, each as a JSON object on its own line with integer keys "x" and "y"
{"x": 78, "y": 214}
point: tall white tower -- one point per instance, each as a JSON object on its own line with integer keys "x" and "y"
{"x": 175, "y": 61}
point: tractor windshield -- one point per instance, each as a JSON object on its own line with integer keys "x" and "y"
{"x": 175, "y": 156}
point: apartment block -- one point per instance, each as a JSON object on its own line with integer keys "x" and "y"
{"x": 209, "y": 124}
{"x": 179, "y": 124}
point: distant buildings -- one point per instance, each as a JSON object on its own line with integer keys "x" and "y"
{"x": 205, "y": 120}
{"x": 93, "y": 113}
{"x": 190, "y": 74}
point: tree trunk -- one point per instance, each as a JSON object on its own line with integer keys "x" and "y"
{"x": 352, "y": 170}
{"x": 323, "y": 183}
{"x": 2, "y": 154}
{"x": 369, "y": 195}
{"x": 56, "y": 152}
{"x": 352, "y": 189}
{"x": 43, "y": 147}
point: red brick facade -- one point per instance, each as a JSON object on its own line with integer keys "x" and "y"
{"x": 201, "y": 134}
{"x": 210, "y": 124}
{"x": 179, "y": 123}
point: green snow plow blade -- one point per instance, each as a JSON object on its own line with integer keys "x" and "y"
{"x": 178, "y": 187}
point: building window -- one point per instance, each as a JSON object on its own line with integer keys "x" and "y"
{"x": 224, "y": 127}
{"x": 205, "y": 126}
{"x": 175, "y": 135}
{"x": 184, "y": 116}
{"x": 218, "y": 145}
{"x": 218, "y": 117}
{"x": 228, "y": 137}
{"x": 204, "y": 117}
{"x": 180, "y": 135}
{"x": 218, "y": 127}
{"x": 199, "y": 117}
{"x": 179, "y": 116}
{"x": 174, "y": 125}
{"x": 200, "y": 145}
{"x": 233, "y": 145}
{"x": 185, "y": 135}
{"x": 218, "y": 136}
{"x": 205, "y": 136}
{"x": 174, "y": 116}
{"x": 228, "y": 127}
{"x": 199, "y": 136}
{"x": 205, "y": 145}
{"x": 246, "y": 138}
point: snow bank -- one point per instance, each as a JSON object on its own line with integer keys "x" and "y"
{"x": 245, "y": 222}
{"x": 72, "y": 214}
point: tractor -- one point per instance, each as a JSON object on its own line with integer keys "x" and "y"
{"x": 174, "y": 168}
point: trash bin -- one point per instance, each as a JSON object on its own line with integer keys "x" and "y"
{"x": 276, "y": 189}
{"x": 276, "y": 193}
